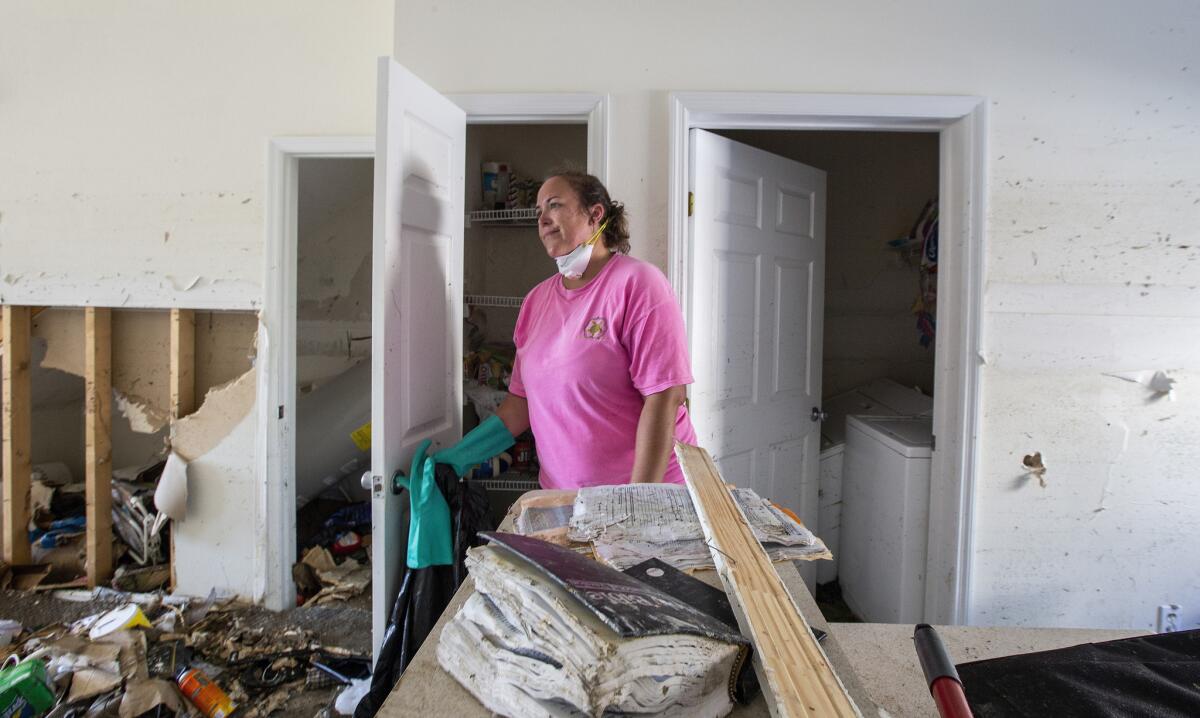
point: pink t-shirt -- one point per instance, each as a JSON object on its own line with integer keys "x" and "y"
{"x": 586, "y": 358}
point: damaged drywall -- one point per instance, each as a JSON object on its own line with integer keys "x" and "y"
{"x": 217, "y": 545}
{"x": 223, "y": 409}
{"x": 143, "y": 418}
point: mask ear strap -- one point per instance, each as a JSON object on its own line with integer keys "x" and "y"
{"x": 598, "y": 232}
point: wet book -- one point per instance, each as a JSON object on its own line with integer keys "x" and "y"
{"x": 551, "y": 633}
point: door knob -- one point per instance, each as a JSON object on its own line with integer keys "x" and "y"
{"x": 818, "y": 415}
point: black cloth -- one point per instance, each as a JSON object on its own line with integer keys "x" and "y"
{"x": 1155, "y": 676}
{"x": 425, "y": 592}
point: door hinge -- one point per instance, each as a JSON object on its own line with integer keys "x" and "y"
{"x": 691, "y": 203}
{"x": 932, "y": 442}
{"x": 281, "y": 411}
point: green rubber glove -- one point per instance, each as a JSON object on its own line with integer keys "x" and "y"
{"x": 479, "y": 445}
{"x": 430, "y": 542}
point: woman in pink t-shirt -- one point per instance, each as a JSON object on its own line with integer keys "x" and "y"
{"x": 602, "y": 363}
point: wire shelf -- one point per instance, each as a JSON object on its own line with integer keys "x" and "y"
{"x": 506, "y": 217}
{"x": 485, "y": 300}
{"x": 509, "y": 482}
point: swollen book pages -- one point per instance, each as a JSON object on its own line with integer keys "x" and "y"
{"x": 556, "y": 634}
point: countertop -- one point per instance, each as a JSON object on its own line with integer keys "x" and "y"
{"x": 875, "y": 661}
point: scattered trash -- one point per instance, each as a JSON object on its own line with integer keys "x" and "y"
{"x": 118, "y": 619}
{"x": 346, "y": 544}
{"x": 204, "y": 694}
{"x": 137, "y": 580}
{"x": 145, "y": 695}
{"x": 25, "y": 689}
{"x": 338, "y": 582}
{"x": 8, "y": 631}
{"x": 349, "y": 699}
{"x": 160, "y": 655}
{"x": 23, "y": 577}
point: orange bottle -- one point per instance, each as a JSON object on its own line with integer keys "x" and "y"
{"x": 204, "y": 694}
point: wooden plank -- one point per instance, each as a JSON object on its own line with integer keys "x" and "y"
{"x": 183, "y": 386}
{"x": 793, "y": 671}
{"x": 17, "y": 437}
{"x": 98, "y": 442}
{"x": 183, "y": 362}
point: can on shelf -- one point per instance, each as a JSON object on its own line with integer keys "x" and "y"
{"x": 522, "y": 454}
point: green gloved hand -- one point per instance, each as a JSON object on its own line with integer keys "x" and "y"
{"x": 480, "y": 444}
{"x": 430, "y": 542}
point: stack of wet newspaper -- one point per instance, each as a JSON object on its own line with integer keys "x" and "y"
{"x": 549, "y": 632}
{"x": 625, "y": 525}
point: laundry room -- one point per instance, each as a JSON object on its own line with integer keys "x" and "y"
{"x": 877, "y": 364}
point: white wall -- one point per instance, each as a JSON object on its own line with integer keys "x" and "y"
{"x": 1094, "y": 174}
{"x": 134, "y": 143}
{"x": 134, "y": 137}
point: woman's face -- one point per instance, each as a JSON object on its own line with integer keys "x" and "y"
{"x": 563, "y": 223}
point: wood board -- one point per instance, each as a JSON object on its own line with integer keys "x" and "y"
{"x": 98, "y": 443}
{"x": 793, "y": 671}
{"x": 18, "y": 439}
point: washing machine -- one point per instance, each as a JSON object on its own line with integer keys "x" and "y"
{"x": 885, "y": 517}
{"x": 879, "y": 397}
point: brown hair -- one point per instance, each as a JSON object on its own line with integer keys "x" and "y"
{"x": 591, "y": 191}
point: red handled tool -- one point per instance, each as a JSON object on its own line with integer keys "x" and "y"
{"x": 944, "y": 684}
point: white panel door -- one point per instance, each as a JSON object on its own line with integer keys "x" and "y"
{"x": 758, "y": 258}
{"x": 416, "y": 336}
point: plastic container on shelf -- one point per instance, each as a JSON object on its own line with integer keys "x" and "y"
{"x": 495, "y": 184}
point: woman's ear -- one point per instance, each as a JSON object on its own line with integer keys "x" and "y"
{"x": 596, "y": 213}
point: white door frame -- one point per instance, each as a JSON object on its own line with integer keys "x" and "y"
{"x": 962, "y": 125}
{"x": 274, "y": 468}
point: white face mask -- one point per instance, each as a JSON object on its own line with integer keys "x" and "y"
{"x": 573, "y": 264}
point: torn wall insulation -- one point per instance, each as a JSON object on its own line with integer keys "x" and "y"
{"x": 223, "y": 408}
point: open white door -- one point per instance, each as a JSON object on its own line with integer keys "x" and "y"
{"x": 416, "y": 306}
{"x": 758, "y": 262}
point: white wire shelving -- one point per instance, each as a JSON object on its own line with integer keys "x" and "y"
{"x": 488, "y": 300}
{"x": 503, "y": 217}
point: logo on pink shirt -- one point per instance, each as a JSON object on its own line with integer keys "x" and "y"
{"x": 595, "y": 328}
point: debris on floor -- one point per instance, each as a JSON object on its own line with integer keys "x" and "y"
{"x": 58, "y": 528}
{"x": 335, "y": 563}
{"x": 107, "y": 652}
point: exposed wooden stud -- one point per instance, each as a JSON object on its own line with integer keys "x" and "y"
{"x": 183, "y": 385}
{"x": 17, "y": 437}
{"x": 98, "y": 442}
{"x": 793, "y": 671}
{"x": 183, "y": 362}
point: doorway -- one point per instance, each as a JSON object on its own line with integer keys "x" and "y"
{"x": 875, "y": 358}
{"x": 959, "y": 123}
{"x": 278, "y": 378}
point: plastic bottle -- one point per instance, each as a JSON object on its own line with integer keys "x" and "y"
{"x": 204, "y": 694}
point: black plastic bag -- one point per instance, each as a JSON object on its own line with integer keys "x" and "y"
{"x": 425, "y": 592}
{"x": 1153, "y": 676}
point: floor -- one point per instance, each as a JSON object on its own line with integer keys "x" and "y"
{"x": 344, "y": 627}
